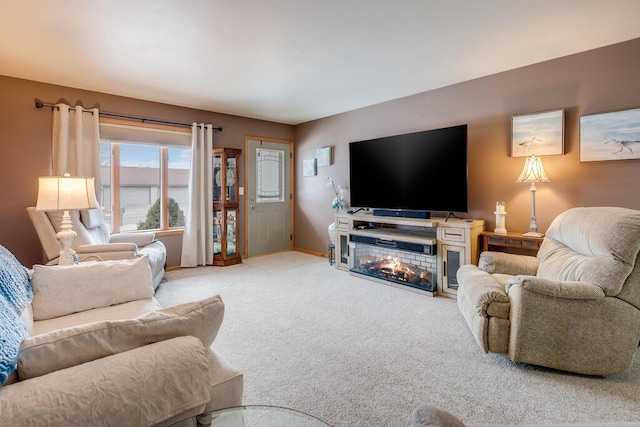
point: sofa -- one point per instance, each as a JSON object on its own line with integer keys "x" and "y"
{"x": 94, "y": 240}
{"x": 574, "y": 307}
{"x": 89, "y": 345}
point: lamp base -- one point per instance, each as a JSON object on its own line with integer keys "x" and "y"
{"x": 67, "y": 257}
{"x": 65, "y": 236}
{"x": 533, "y": 234}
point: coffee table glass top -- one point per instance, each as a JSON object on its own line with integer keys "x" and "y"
{"x": 263, "y": 416}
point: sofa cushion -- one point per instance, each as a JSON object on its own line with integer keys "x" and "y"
{"x": 62, "y": 290}
{"x": 141, "y": 387}
{"x": 63, "y": 348}
{"x": 15, "y": 295}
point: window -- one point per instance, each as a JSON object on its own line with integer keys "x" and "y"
{"x": 145, "y": 176}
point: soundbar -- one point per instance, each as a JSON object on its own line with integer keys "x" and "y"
{"x": 402, "y": 213}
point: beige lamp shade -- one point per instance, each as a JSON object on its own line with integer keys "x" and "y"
{"x": 65, "y": 193}
{"x": 533, "y": 171}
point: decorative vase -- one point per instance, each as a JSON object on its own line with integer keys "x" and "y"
{"x": 332, "y": 232}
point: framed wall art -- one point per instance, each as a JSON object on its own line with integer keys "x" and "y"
{"x": 324, "y": 156}
{"x": 309, "y": 167}
{"x": 540, "y": 134}
{"x": 610, "y": 136}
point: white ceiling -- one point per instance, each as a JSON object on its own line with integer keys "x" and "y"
{"x": 292, "y": 61}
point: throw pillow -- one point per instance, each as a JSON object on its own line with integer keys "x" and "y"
{"x": 61, "y": 290}
{"x": 91, "y": 218}
{"x": 64, "y": 348}
{"x": 15, "y": 295}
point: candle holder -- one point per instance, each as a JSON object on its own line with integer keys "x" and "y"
{"x": 501, "y": 215}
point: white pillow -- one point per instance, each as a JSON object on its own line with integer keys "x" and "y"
{"x": 62, "y": 290}
{"x": 91, "y": 218}
{"x": 68, "y": 347}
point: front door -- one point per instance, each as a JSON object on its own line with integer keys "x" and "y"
{"x": 269, "y": 196}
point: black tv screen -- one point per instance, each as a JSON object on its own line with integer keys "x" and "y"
{"x": 422, "y": 171}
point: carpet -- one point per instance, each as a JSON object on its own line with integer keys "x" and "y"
{"x": 354, "y": 352}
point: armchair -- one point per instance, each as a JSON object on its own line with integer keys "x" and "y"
{"x": 574, "y": 307}
{"x": 94, "y": 240}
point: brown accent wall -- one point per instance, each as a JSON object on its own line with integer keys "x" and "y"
{"x": 596, "y": 81}
{"x": 25, "y": 143}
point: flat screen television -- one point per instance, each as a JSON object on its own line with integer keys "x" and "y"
{"x": 422, "y": 172}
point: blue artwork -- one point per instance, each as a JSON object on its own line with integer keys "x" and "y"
{"x": 610, "y": 136}
{"x": 540, "y": 134}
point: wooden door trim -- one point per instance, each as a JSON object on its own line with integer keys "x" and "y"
{"x": 247, "y": 183}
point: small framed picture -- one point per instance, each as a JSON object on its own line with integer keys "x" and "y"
{"x": 309, "y": 167}
{"x": 324, "y": 156}
{"x": 540, "y": 134}
{"x": 610, "y": 136}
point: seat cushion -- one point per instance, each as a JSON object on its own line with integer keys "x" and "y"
{"x": 127, "y": 310}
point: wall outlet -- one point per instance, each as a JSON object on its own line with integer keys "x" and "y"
{"x": 241, "y": 191}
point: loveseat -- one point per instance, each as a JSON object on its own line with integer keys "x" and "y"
{"x": 574, "y": 307}
{"x": 96, "y": 349}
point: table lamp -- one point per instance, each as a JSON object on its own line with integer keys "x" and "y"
{"x": 62, "y": 193}
{"x": 533, "y": 172}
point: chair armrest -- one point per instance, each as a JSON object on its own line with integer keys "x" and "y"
{"x": 139, "y": 238}
{"x": 108, "y": 247}
{"x": 557, "y": 289}
{"x": 172, "y": 375}
{"x": 505, "y": 263}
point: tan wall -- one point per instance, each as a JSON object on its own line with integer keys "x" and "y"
{"x": 596, "y": 81}
{"x": 25, "y": 142}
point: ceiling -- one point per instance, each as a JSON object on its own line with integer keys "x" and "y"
{"x": 292, "y": 61}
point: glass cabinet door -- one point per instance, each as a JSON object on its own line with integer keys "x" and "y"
{"x": 231, "y": 179}
{"x": 217, "y": 177}
{"x": 217, "y": 232}
{"x": 231, "y": 232}
{"x": 225, "y": 206}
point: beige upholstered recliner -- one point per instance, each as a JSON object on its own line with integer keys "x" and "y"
{"x": 94, "y": 241}
{"x": 574, "y": 307}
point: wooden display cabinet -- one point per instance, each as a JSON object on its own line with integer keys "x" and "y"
{"x": 225, "y": 206}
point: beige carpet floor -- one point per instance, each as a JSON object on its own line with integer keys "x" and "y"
{"x": 353, "y": 352}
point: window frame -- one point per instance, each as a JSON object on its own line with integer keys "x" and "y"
{"x": 164, "y": 229}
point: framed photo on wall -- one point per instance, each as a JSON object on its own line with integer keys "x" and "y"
{"x": 610, "y": 136}
{"x": 309, "y": 167}
{"x": 324, "y": 156}
{"x": 540, "y": 134}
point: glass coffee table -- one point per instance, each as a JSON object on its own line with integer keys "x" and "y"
{"x": 263, "y": 416}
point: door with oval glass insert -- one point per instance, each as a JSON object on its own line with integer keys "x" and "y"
{"x": 269, "y": 195}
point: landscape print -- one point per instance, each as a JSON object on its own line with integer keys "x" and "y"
{"x": 540, "y": 134}
{"x": 610, "y": 136}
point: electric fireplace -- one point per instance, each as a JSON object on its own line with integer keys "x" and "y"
{"x": 397, "y": 262}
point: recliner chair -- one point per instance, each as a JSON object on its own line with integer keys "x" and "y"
{"x": 574, "y": 307}
{"x": 94, "y": 241}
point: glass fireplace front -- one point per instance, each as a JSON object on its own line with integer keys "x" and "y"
{"x": 414, "y": 266}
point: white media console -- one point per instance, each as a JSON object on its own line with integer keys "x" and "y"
{"x": 438, "y": 245}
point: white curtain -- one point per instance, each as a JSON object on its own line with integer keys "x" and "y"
{"x": 197, "y": 241}
{"x": 76, "y": 142}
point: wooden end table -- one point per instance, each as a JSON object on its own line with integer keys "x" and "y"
{"x": 509, "y": 242}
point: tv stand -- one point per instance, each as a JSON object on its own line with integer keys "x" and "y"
{"x": 455, "y": 241}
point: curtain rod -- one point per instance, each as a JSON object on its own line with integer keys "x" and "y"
{"x": 40, "y": 104}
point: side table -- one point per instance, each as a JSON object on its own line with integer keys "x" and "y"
{"x": 509, "y": 242}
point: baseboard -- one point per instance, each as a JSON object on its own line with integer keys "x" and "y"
{"x": 310, "y": 252}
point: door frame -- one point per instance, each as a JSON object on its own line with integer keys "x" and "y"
{"x": 247, "y": 184}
